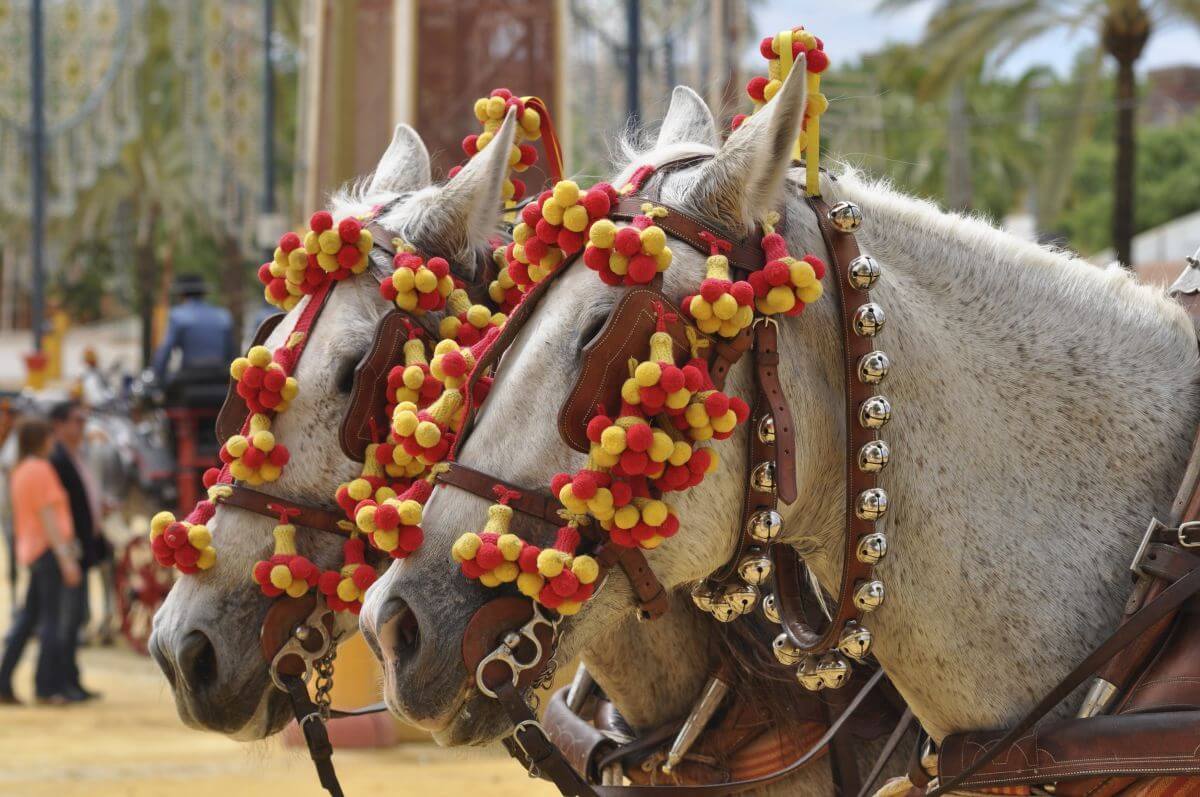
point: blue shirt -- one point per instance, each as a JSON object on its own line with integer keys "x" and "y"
{"x": 201, "y": 332}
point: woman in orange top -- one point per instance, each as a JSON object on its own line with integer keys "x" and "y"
{"x": 45, "y": 543}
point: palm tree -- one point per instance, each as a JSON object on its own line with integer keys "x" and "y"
{"x": 961, "y": 32}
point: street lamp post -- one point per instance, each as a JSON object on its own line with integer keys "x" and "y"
{"x": 37, "y": 165}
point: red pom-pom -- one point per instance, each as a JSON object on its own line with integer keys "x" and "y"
{"x": 386, "y": 517}
{"x": 628, "y": 241}
{"x": 716, "y": 404}
{"x": 363, "y": 577}
{"x": 737, "y": 120}
{"x": 468, "y": 145}
{"x": 528, "y": 154}
{"x": 559, "y": 481}
{"x": 518, "y": 189}
{"x": 488, "y": 556}
{"x": 818, "y": 265}
{"x": 531, "y": 214}
{"x": 817, "y": 61}
{"x": 755, "y": 87}
{"x": 348, "y": 256}
{"x": 210, "y": 477}
{"x": 438, "y": 266}
{"x": 596, "y": 427}
{"x": 527, "y": 561}
{"x": 321, "y": 221}
{"x": 776, "y": 272}
{"x": 596, "y": 202}
{"x": 742, "y": 292}
{"x": 596, "y": 259}
{"x": 671, "y": 378}
{"x": 546, "y": 231}
{"x": 639, "y": 437}
{"x": 565, "y": 584}
{"x": 642, "y": 268}
{"x": 570, "y": 241}
{"x": 289, "y": 241}
{"x": 454, "y": 170}
{"x": 349, "y": 229}
{"x": 764, "y": 47}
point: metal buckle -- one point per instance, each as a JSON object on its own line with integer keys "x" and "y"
{"x": 294, "y": 646}
{"x": 506, "y": 651}
{"x": 1182, "y": 532}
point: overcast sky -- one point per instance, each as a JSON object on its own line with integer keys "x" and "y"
{"x": 851, "y": 28}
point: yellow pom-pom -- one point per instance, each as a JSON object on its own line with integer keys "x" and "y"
{"x": 481, "y": 109}
{"x": 586, "y": 569}
{"x": 629, "y": 392}
{"x": 264, "y": 440}
{"x": 575, "y": 218}
{"x": 330, "y": 242}
{"x": 238, "y": 367}
{"x": 489, "y": 579}
{"x": 647, "y": 374}
{"x": 281, "y": 577}
{"x": 427, "y": 434}
{"x": 612, "y": 440}
{"x": 479, "y": 316}
{"x": 405, "y": 423}
{"x": 159, "y": 523}
{"x": 243, "y": 474}
{"x": 259, "y": 355}
{"x": 661, "y": 446}
{"x": 663, "y": 259}
{"x": 566, "y": 193}
{"x": 425, "y": 281}
{"x": 653, "y": 240}
{"x": 465, "y": 547}
{"x": 297, "y": 589}
{"x": 387, "y": 540}
{"x": 810, "y": 293}
{"x": 552, "y": 211}
{"x": 312, "y": 244}
{"x": 208, "y": 558}
{"x": 199, "y": 537}
{"x": 410, "y": 512}
{"x": 603, "y": 233}
{"x": 679, "y": 399}
{"x": 550, "y": 562}
{"x": 626, "y": 517}
{"x": 507, "y": 572}
{"x": 347, "y": 591}
{"x": 531, "y": 121}
{"x": 237, "y": 445}
{"x": 725, "y": 307}
{"x": 365, "y": 518}
{"x": 495, "y": 107}
{"x": 681, "y": 452}
{"x": 530, "y": 584}
{"x": 510, "y": 546}
{"x": 654, "y": 512}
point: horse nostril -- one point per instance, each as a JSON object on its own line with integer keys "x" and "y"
{"x": 196, "y": 661}
{"x": 400, "y": 632}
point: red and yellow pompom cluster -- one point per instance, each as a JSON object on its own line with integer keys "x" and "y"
{"x": 344, "y": 588}
{"x": 453, "y": 363}
{"x": 723, "y": 306}
{"x": 630, "y": 255}
{"x": 263, "y": 382}
{"x": 326, "y": 253}
{"x": 426, "y": 434}
{"x": 711, "y": 414}
{"x": 412, "y": 382}
{"x": 555, "y": 577}
{"x": 785, "y": 285}
{"x": 762, "y": 89}
{"x": 393, "y": 525}
{"x": 553, "y": 228}
{"x": 504, "y": 290}
{"x": 657, "y": 385}
{"x": 285, "y": 571}
{"x": 467, "y": 323}
{"x": 490, "y": 111}
{"x": 644, "y": 522}
{"x": 255, "y": 457}
{"x": 418, "y": 286}
{"x": 179, "y": 544}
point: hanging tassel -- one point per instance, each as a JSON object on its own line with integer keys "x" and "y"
{"x": 504, "y": 290}
{"x": 491, "y": 556}
{"x": 644, "y": 523}
{"x": 785, "y": 285}
{"x": 185, "y": 546}
{"x": 453, "y": 364}
{"x": 657, "y": 384}
{"x": 412, "y": 381}
{"x": 393, "y": 525}
{"x": 286, "y": 571}
{"x": 262, "y": 381}
{"x": 417, "y": 286}
{"x": 425, "y": 434}
{"x": 255, "y": 458}
{"x": 344, "y": 588}
{"x": 559, "y": 579}
{"x": 554, "y": 227}
{"x": 722, "y": 307}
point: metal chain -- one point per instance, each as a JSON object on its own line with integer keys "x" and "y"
{"x": 324, "y": 669}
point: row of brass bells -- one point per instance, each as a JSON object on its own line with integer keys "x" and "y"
{"x": 830, "y": 670}
{"x": 726, "y": 603}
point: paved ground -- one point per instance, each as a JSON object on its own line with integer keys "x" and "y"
{"x": 132, "y": 744}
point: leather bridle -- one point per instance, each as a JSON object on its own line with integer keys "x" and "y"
{"x": 522, "y": 639}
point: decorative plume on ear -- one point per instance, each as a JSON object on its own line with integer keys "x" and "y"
{"x": 404, "y": 165}
{"x": 688, "y": 120}
{"x": 742, "y": 182}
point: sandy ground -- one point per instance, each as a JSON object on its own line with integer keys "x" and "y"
{"x": 131, "y": 744}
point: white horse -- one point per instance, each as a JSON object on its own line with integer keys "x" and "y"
{"x": 1044, "y": 410}
{"x": 206, "y": 636}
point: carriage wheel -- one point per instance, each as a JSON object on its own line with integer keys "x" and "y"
{"x": 141, "y": 585}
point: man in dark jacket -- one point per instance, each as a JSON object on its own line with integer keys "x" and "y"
{"x": 69, "y": 419}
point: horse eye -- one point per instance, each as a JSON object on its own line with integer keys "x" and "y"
{"x": 345, "y": 377}
{"x": 591, "y": 332}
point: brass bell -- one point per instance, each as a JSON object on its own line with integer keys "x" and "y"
{"x": 702, "y": 596}
{"x": 762, "y": 478}
{"x": 766, "y": 429}
{"x": 871, "y": 504}
{"x": 723, "y": 611}
{"x": 855, "y": 641}
{"x": 765, "y": 525}
{"x": 754, "y": 569}
{"x": 868, "y": 595}
{"x": 875, "y": 412}
{"x": 846, "y": 216}
{"x": 786, "y": 652}
{"x": 874, "y": 456}
{"x": 868, "y": 320}
{"x": 873, "y": 367}
{"x": 808, "y": 676}
{"x": 872, "y": 548}
{"x": 863, "y": 272}
{"x": 742, "y": 598}
{"x": 770, "y": 608}
{"x": 833, "y": 670}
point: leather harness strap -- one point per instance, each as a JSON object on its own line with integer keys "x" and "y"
{"x": 311, "y": 517}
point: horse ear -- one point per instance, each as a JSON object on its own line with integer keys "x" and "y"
{"x": 742, "y": 182}
{"x": 689, "y": 120}
{"x": 474, "y": 198}
{"x": 405, "y": 164}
